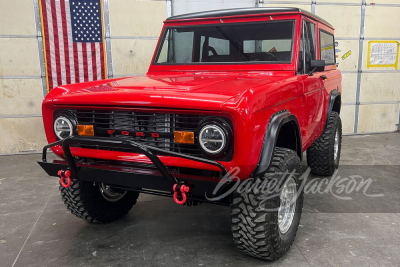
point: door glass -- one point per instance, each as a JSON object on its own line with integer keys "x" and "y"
{"x": 307, "y": 47}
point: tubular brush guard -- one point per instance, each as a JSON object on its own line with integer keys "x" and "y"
{"x": 149, "y": 151}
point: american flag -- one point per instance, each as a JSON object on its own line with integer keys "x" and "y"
{"x": 73, "y": 40}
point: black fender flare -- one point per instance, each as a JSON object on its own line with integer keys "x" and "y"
{"x": 270, "y": 137}
{"x": 332, "y": 97}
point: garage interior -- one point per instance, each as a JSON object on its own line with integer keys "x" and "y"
{"x": 36, "y": 230}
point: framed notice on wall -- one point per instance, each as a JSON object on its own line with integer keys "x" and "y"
{"x": 383, "y": 54}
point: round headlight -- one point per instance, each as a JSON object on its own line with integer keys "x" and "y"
{"x": 212, "y": 139}
{"x": 63, "y": 127}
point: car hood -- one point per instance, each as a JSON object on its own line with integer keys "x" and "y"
{"x": 204, "y": 92}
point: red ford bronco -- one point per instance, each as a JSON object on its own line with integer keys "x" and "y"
{"x": 231, "y": 98}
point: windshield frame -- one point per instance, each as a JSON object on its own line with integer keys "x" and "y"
{"x": 232, "y": 67}
{"x": 166, "y": 28}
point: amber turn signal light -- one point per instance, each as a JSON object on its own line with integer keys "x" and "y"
{"x": 85, "y": 130}
{"x": 184, "y": 137}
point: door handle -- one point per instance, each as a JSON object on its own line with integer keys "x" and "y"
{"x": 323, "y": 77}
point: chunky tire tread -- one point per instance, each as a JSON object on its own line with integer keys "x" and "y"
{"x": 320, "y": 155}
{"x": 255, "y": 230}
{"x": 85, "y": 201}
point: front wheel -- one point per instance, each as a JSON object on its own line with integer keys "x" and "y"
{"x": 266, "y": 211}
{"x": 97, "y": 203}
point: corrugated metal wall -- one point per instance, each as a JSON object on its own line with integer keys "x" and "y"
{"x": 371, "y": 96}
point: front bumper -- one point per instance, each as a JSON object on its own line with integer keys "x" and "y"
{"x": 159, "y": 181}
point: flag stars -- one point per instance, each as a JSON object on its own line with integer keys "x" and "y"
{"x": 85, "y": 16}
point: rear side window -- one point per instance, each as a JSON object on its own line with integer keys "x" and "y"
{"x": 327, "y": 47}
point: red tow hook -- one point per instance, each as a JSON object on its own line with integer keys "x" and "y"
{"x": 65, "y": 175}
{"x": 183, "y": 189}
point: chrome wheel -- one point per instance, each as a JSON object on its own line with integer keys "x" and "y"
{"x": 111, "y": 194}
{"x": 287, "y": 207}
{"x": 336, "y": 146}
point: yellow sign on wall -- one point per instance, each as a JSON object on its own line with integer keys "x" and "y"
{"x": 383, "y": 54}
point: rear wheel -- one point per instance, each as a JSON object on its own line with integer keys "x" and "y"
{"x": 97, "y": 203}
{"x": 324, "y": 154}
{"x": 265, "y": 218}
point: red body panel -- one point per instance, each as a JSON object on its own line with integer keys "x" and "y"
{"x": 246, "y": 93}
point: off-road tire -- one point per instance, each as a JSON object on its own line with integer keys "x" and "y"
{"x": 84, "y": 200}
{"x": 255, "y": 230}
{"x": 320, "y": 155}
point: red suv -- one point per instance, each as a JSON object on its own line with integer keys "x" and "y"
{"x": 231, "y": 101}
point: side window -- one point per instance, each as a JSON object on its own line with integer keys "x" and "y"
{"x": 327, "y": 43}
{"x": 307, "y": 46}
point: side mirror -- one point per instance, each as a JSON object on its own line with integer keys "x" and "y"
{"x": 317, "y": 65}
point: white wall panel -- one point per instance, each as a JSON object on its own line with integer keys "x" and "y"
{"x": 345, "y": 19}
{"x": 190, "y": 6}
{"x": 21, "y": 134}
{"x": 383, "y": 2}
{"x": 137, "y": 18}
{"x": 132, "y": 56}
{"x": 380, "y": 87}
{"x": 20, "y": 96}
{"x": 347, "y": 117}
{"x": 16, "y": 17}
{"x": 349, "y": 85}
{"x": 339, "y": 1}
{"x": 19, "y": 56}
{"x": 378, "y": 118}
{"x": 303, "y": 7}
{"x": 382, "y": 21}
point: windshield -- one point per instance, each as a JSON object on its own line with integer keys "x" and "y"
{"x": 270, "y": 42}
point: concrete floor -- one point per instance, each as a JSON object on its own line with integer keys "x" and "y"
{"x": 37, "y": 230}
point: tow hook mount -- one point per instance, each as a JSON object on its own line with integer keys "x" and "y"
{"x": 65, "y": 175}
{"x": 183, "y": 189}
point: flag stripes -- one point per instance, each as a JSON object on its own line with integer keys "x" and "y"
{"x": 68, "y": 61}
